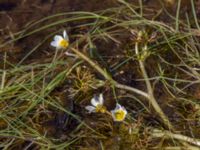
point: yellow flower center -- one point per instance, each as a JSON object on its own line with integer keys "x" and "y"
{"x": 100, "y": 108}
{"x": 64, "y": 43}
{"x": 119, "y": 115}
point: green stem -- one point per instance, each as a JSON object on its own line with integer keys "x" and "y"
{"x": 166, "y": 134}
{"x": 151, "y": 97}
{"x": 108, "y": 77}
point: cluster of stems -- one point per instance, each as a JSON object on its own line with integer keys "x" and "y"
{"x": 148, "y": 95}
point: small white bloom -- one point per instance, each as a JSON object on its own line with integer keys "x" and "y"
{"x": 97, "y": 104}
{"x": 119, "y": 113}
{"x": 61, "y": 41}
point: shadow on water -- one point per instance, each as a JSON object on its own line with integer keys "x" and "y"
{"x": 5, "y": 6}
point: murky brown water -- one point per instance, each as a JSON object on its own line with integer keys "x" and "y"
{"x": 15, "y": 14}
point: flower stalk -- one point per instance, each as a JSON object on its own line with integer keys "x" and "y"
{"x": 149, "y": 96}
{"x": 62, "y": 42}
{"x": 107, "y": 76}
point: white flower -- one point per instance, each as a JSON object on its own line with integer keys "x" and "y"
{"x": 61, "y": 42}
{"x": 97, "y": 104}
{"x": 119, "y": 113}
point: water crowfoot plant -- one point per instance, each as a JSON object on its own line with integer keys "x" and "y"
{"x": 61, "y": 42}
{"x": 119, "y": 113}
{"x": 97, "y": 104}
{"x": 124, "y": 87}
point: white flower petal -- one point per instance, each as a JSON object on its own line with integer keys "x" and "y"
{"x": 54, "y": 43}
{"x": 58, "y": 38}
{"x": 101, "y": 100}
{"x": 118, "y": 106}
{"x": 116, "y": 110}
{"x": 95, "y": 101}
{"x": 124, "y": 109}
{"x": 90, "y": 108}
{"x": 65, "y": 35}
{"x": 113, "y": 114}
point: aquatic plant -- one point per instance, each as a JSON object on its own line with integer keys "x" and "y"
{"x": 97, "y": 104}
{"x": 61, "y": 42}
{"x": 119, "y": 113}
